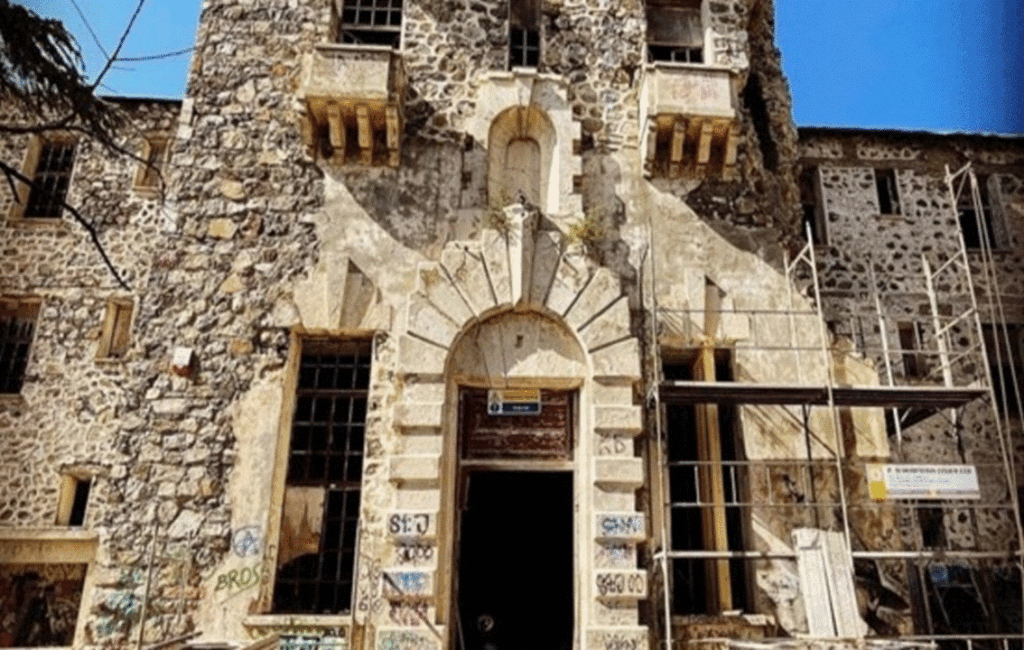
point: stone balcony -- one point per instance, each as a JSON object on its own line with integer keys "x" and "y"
{"x": 690, "y": 112}
{"x": 353, "y": 96}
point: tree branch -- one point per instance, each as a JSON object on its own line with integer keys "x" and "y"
{"x": 13, "y": 174}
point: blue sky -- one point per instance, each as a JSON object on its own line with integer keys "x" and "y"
{"x": 937, "y": 65}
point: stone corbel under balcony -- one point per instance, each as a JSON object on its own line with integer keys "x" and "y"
{"x": 691, "y": 120}
{"x": 353, "y": 96}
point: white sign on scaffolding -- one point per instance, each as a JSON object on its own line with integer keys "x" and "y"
{"x": 938, "y": 482}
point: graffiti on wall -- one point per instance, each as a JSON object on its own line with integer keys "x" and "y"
{"x": 39, "y": 604}
{"x": 247, "y": 541}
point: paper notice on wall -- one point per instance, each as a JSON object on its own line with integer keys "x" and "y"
{"x": 937, "y": 482}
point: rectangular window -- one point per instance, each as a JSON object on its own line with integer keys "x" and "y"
{"x": 705, "y": 487}
{"x": 1006, "y": 363}
{"x": 17, "y": 324}
{"x": 810, "y": 201}
{"x": 149, "y": 174}
{"x": 74, "y": 498}
{"x": 674, "y": 31}
{"x": 888, "y": 194}
{"x": 915, "y": 364}
{"x": 524, "y": 33}
{"x": 50, "y": 180}
{"x": 371, "y": 22}
{"x": 981, "y": 220}
{"x": 316, "y": 556}
{"x": 115, "y": 337}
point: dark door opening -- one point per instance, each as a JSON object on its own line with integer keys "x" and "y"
{"x": 515, "y": 588}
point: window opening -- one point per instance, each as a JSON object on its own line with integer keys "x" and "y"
{"x": 371, "y": 22}
{"x": 674, "y": 31}
{"x": 17, "y": 324}
{"x": 149, "y": 174}
{"x": 705, "y": 490}
{"x": 971, "y": 222}
{"x": 888, "y": 195}
{"x": 1005, "y": 362}
{"x": 50, "y": 180}
{"x": 753, "y": 99}
{"x": 524, "y": 33}
{"x": 116, "y": 330}
{"x": 810, "y": 201}
{"x": 325, "y": 465}
{"x": 915, "y": 364}
{"x": 933, "y": 527}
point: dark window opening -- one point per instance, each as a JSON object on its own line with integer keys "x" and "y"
{"x": 81, "y": 500}
{"x": 972, "y": 224}
{"x": 810, "y": 202}
{"x": 753, "y": 98}
{"x": 888, "y": 194}
{"x": 17, "y": 323}
{"x": 524, "y": 33}
{"x": 371, "y": 22}
{"x": 316, "y": 558}
{"x": 694, "y": 514}
{"x": 1006, "y": 363}
{"x": 915, "y": 364}
{"x": 674, "y": 32}
{"x": 50, "y": 180}
{"x": 933, "y": 527}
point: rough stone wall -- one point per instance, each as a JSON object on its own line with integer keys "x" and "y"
{"x": 862, "y": 241}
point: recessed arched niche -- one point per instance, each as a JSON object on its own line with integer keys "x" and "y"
{"x": 521, "y": 145}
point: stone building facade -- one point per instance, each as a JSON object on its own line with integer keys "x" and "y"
{"x": 445, "y": 325}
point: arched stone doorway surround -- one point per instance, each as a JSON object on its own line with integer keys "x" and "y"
{"x": 519, "y": 308}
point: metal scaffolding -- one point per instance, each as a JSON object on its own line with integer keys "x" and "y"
{"x": 932, "y": 372}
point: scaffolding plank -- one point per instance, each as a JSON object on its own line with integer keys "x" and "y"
{"x": 929, "y": 397}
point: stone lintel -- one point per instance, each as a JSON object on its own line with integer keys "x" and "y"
{"x": 619, "y": 473}
{"x": 421, "y": 470}
{"x": 613, "y": 418}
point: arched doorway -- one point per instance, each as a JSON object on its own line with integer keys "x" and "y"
{"x": 517, "y": 379}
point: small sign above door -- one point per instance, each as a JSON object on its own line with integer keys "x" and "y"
{"x": 513, "y": 401}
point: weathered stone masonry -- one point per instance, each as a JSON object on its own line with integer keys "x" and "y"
{"x": 474, "y": 227}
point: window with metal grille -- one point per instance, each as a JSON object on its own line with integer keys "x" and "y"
{"x": 17, "y": 323}
{"x": 371, "y": 22}
{"x": 524, "y": 33}
{"x": 674, "y": 31}
{"x": 50, "y": 180}
{"x": 325, "y": 467}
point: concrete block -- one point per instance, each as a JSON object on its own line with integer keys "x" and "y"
{"x": 618, "y": 473}
{"x": 419, "y": 357}
{"x": 412, "y": 525}
{"x": 620, "y": 526}
{"x": 624, "y": 420}
{"x": 617, "y": 638}
{"x": 621, "y": 584}
{"x": 406, "y": 584}
{"x": 419, "y": 415}
{"x": 421, "y": 470}
{"x": 400, "y": 638}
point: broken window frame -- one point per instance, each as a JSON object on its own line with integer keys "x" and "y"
{"x": 887, "y": 191}
{"x": 73, "y": 506}
{"x": 687, "y": 47}
{"x": 721, "y": 521}
{"x": 325, "y": 451}
{"x": 1005, "y": 364}
{"x": 370, "y": 22}
{"x": 911, "y": 337}
{"x": 17, "y": 330}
